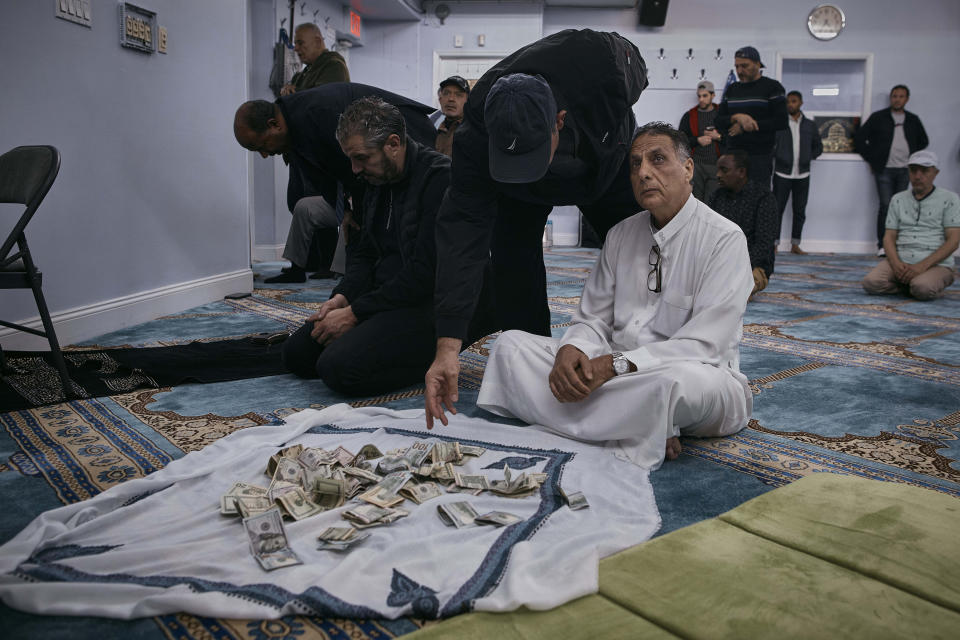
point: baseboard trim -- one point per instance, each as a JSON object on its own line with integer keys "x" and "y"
{"x": 267, "y": 252}
{"x": 83, "y": 323}
{"x": 832, "y": 246}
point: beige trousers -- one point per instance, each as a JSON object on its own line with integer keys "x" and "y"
{"x": 926, "y": 286}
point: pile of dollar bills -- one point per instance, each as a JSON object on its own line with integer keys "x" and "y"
{"x": 306, "y": 481}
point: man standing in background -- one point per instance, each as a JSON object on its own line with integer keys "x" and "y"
{"x": 751, "y": 113}
{"x": 323, "y": 65}
{"x": 698, "y": 125}
{"x": 796, "y": 146}
{"x": 885, "y": 141}
{"x": 452, "y": 95}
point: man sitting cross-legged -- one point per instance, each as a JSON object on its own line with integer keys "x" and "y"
{"x": 376, "y": 331}
{"x": 923, "y": 231}
{"x": 653, "y": 351}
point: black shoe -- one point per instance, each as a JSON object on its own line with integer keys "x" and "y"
{"x": 294, "y": 275}
{"x": 323, "y": 275}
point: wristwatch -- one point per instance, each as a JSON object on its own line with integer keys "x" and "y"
{"x": 620, "y": 364}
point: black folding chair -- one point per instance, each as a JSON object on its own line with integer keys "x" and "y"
{"x": 26, "y": 174}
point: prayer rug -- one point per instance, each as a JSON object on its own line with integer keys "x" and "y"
{"x": 32, "y": 380}
{"x": 159, "y": 545}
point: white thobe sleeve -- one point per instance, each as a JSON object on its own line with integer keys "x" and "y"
{"x": 715, "y": 322}
{"x": 592, "y": 323}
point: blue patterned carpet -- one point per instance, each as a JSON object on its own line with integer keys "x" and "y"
{"x": 843, "y": 383}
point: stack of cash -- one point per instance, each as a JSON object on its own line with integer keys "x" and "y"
{"x": 340, "y": 538}
{"x": 268, "y": 540}
{"x": 420, "y": 492}
{"x": 517, "y": 487}
{"x": 386, "y": 493}
{"x": 370, "y": 515}
{"x": 244, "y": 499}
{"x": 574, "y": 500}
{"x": 457, "y": 514}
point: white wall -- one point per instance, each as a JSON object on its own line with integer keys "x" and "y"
{"x": 149, "y": 213}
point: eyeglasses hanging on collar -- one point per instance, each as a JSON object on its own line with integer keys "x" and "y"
{"x": 655, "y": 276}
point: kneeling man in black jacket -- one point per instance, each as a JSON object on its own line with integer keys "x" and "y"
{"x": 376, "y": 332}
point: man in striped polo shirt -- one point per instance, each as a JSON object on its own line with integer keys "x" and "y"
{"x": 751, "y": 113}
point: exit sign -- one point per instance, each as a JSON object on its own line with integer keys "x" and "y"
{"x": 356, "y": 24}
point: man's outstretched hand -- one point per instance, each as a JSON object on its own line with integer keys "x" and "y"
{"x": 441, "y": 381}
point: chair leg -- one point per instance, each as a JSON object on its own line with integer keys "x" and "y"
{"x": 52, "y": 339}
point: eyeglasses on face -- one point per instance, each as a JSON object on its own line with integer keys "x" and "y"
{"x": 655, "y": 276}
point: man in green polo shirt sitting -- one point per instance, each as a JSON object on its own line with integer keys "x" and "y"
{"x": 922, "y": 232}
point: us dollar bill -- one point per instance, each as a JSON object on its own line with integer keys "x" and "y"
{"x": 297, "y": 505}
{"x": 457, "y": 514}
{"x": 385, "y": 494}
{"x": 246, "y": 506}
{"x": 498, "y": 518}
{"x": 343, "y": 456}
{"x": 370, "y": 515}
{"x": 446, "y": 452}
{"x": 471, "y": 481}
{"x": 421, "y": 492}
{"x": 268, "y": 540}
{"x": 472, "y": 450}
{"x": 239, "y": 490}
{"x": 329, "y": 493}
{"x": 313, "y": 457}
{"x": 340, "y": 538}
{"x": 575, "y": 500}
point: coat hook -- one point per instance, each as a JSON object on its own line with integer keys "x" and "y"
{"x": 703, "y": 74}
{"x": 718, "y": 56}
{"x": 689, "y": 54}
{"x": 283, "y": 21}
{"x": 661, "y": 56}
{"x": 302, "y": 5}
{"x": 674, "y": 76}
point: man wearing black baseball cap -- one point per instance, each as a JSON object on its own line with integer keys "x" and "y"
{"x": 452, "y": 96}
{"x": 549, "y": 125}
{"x": 751, "y": 113}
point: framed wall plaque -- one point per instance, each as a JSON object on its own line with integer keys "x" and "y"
{"x": 138, "y": 28}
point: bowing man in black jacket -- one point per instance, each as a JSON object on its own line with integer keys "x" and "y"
{"x": 301, "y": 127}
{"x": 549, "y": 125}
{"x": 376, "y": 331}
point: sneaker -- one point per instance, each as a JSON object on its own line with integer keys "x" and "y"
{"x": 795, "y": 248}
{"x": 881, "y": 253}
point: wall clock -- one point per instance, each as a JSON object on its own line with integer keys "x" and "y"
{"x": 826, "y": 22}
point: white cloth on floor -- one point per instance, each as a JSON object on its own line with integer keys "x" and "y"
{"x": 685, "y": 341}
{"x": 158, "y": 545}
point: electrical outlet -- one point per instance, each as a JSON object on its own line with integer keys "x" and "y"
{"x": 458, "y": 40}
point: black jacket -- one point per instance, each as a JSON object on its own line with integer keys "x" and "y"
{"x": 420, "y": 192}
{"x": 875, "y": 137}
{"x": 316, "y": 161}
{"x": 763, "y": 100}
{"x": 596, "y": 77}
{"x": 811, "y": 146}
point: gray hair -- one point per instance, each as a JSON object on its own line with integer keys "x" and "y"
{"x": 680, "y": 143}
{"x": 372, "y": 119}
{"x": 310, "y": 26}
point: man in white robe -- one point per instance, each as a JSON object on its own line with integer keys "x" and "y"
{"x": 653, "y": 351}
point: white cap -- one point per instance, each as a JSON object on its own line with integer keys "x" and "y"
{"x": 923, "y": 158}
